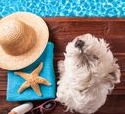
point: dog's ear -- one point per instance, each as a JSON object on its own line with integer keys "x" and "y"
{"x": 116, "y": 75}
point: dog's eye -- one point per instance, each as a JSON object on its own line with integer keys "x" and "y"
{"x": 95, "y": 57}
{"x": 112, "y": 73}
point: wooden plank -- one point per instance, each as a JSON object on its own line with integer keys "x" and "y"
{"x": 63, "y": 30}
{"x": 113, "y": 105}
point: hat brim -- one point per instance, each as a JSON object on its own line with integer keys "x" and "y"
{"x": 11, "y": 62}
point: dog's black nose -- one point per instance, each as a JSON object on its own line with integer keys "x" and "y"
{"x": 79, "y": 44}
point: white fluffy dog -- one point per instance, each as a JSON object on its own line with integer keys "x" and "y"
{"x": 87, "y": 75}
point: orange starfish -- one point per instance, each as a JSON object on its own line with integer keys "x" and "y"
{"x": 32, "y": 80}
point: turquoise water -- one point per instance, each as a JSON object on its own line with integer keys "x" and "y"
{"x": 71, "y": 8}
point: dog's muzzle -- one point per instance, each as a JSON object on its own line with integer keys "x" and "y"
{"x": 79, "y": 44}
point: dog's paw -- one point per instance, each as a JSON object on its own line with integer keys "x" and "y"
{"x": 61, "y": 66}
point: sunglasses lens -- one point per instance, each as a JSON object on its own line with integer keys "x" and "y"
{"x": 36, "y": 111}
{"x": 49, "y": 105}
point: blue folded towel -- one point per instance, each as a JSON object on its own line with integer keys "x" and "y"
{"x": 14, "y": 81}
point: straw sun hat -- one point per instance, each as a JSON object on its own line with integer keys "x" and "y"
{"x": 23, "y": 38}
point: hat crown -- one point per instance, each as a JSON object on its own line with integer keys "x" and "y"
{"x": 16, "y": 37}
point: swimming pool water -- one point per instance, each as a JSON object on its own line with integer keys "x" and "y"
{"x": 70, "y": 8}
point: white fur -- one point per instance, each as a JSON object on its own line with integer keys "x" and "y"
{"x": 88, "y": 76}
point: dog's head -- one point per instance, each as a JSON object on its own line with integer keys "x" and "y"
{"x": 96, "y": 53}
{"x": 88, "y": 45}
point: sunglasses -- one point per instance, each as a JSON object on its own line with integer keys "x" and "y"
{"x": 45, "y": 107}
